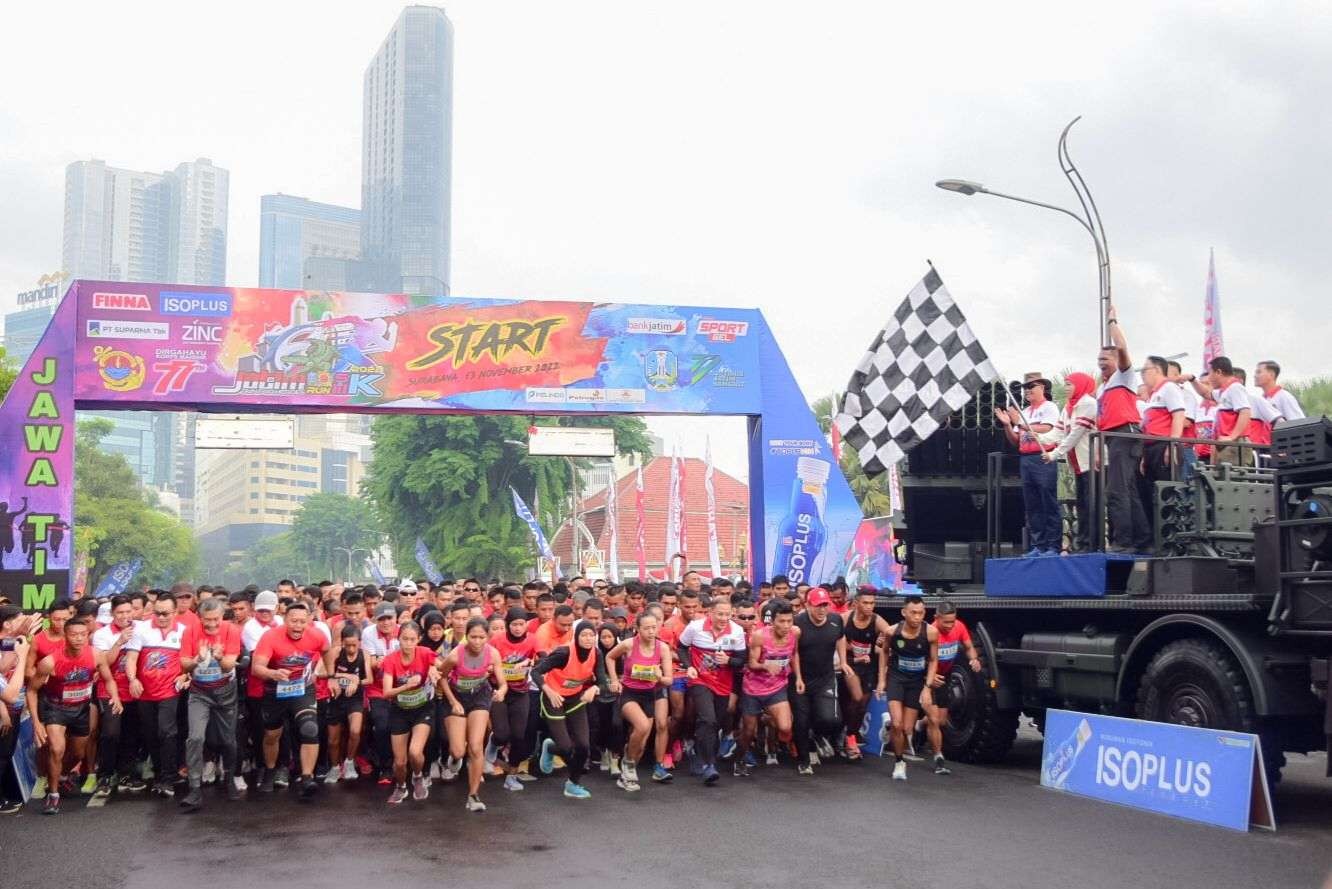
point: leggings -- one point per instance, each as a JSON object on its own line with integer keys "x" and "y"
{"x": 710, "y": 711}
{"x": 379, "y": 725}
{"x": 437, "y": 742}
{"x": 607, "y": 726}
{"x": 117, "y": 740}
{"x": 508, "y": 724}
{"x": 816, "y": 710}
{"x": 157, "y": 719}
{"x": 570, "y": 733}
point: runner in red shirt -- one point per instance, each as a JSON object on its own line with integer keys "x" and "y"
{"x": 153, "y": 667}
{"x": 953, "y": 635}
{"x": 409, "y": 677}
{"x": 286, "y": 660}
{"x": 508, "y": 718}
{"x": 115, "y": 761}
{"x": 209, "y": 653}
{"x": 687, "y": 606}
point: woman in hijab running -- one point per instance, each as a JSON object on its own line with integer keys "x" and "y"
{"x": 508, "y": 718}
{"x": 569, "y": 678}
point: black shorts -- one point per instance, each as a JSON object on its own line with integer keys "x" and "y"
{"x": 906, "y": 690}
{"x": 341, "y": 707}
{"x": 646, "y": 700}
{"x": 943, "y": 695}
{"x": 479, "y": 698}
{"x": 75, "y": 719}
{"x": 755, "y": 705}
{"x": 401, "y": 721}
{"x": 274, "y": 712}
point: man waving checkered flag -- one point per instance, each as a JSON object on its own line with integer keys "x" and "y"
{"x": 923, "y": 365}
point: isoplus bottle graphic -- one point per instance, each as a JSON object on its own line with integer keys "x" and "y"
{"x": 801, "y": 535}
{"x": 1059, "y": 762}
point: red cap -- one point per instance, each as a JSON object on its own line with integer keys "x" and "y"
{"x": 817, "y": 596}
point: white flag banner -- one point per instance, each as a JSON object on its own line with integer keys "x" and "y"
{"x": 612, "y": 516}
{"x": 673, "y": 514}
{"x": 714, "y": 557}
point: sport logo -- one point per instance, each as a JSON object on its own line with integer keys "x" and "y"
{"x": 120, "y": 371}
{"x": 722, "y": 331}
{"x": 205, "y": 305}
{"x": 125, "y": 302}
{"x": 658, "y": 326}
{"x": 197, "y": 332}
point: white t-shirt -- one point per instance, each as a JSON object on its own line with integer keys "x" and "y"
{"x": 1191, "y": 401}
{"x": 1285, "y": 404}
{"x": 1261, "y": 408}
{"x": 253, "y": 631}
{"x": 1046, "y": 414}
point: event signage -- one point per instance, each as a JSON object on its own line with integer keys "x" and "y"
{"x": 1215, "y": 777}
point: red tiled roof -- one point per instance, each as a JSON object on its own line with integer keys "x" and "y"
{"x": 732, "y": 497}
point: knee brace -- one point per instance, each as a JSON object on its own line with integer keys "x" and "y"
{"x": 307, "y": 726}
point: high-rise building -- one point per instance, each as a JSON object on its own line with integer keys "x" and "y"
{"x": 25, "y": 326}
{"x": 131, "y": 225}
{"x": 293, "y": 231}
{"x": 407, "y": 150}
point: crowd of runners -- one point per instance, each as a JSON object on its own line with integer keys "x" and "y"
{"x": 168, "y": 691}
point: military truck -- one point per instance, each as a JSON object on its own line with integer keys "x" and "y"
{"x": 1228, "y": 625}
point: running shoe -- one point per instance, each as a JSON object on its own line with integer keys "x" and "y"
{"x": 852, "y": 748}
{"x": 451, "y": 769}
{"x": 363, "y": 766}
{"x": 238, "y": 781}
{"x": 677, "y": 750}
{"x": 209, "y": 772}
{"x": 548, "y": 758}
{"x": 103, "y": 789}
{"x": 661, "y": 774}
{"x": 627, "y": 785}
{"x": 474, "y": 804}
{"x": 615, "y": 766}
{"x": 67, "y": 785}
{"x": 740, "y": 769}
{"x": 606, "y": 760}
{"x": 398, "y": 795}
{"x": 193, "y": 801}
{"x": 899, "y": 771}
{"x": 825, "y": 749}
{"x": 576, "y": 791}
{"x": 265, "y": 780}
{"x": 750, "y": 759}
{"x": 133, "y": 784}
{"x": 911, "y": 755}
{"x": 10, "y": 806}
{"x": 668, "y": 761}
{"x": 39, "y": 789}
{"x": 384, "y": 779}
{"x": 308, "y": 786}
{"x": 282, "y": 777}
{"x": 161, "y": 788}
{"x": 52, "y": 806}
{"x": 710, "y": 775}
{"x": 419, "y": 789}
{"x": 629, "y": 771}
{"x": 434, "y": 771}
{"x": 804, "y": 769}
{"x": 89, "y": 785}
{"x": 334, "y": 775}
{"x": 349, "y": 770}
{"x": 940, "y": 768}
{"x": 235, "y": 787}
{"x": 524, "y": 775}
{"x": 770, "y": 759}
{"x": 814, "y": 758}
{"x": 727, "y": 748}
{"x": 513, "y": 783}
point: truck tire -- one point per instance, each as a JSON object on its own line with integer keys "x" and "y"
{"x": 977, "y": 731}
{"x": 1197, "y": 682}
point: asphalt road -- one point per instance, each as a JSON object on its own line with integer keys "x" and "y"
{"x": 848, "y": 825}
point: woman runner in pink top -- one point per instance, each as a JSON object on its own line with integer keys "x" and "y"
{"x": 773, "y": 655}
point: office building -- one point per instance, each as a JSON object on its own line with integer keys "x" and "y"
{"x": 406, "y": 152}
{"x": 303, "y": 243}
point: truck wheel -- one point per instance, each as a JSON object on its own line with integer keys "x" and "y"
{"x": 1197, "y": 682}
{"x": 978, "y": 731}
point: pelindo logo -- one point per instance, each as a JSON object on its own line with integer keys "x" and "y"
{"x": 199, "y": 305}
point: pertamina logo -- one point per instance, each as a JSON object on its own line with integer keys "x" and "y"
{"x": 196, "y": 332}
{"x": 124, "y": 302}
{"x": 658, "y": 326}
{"x": 722, "y": 331}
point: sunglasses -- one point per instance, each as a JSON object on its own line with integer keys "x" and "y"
{"x": 164, "y": 613}
{"x": 746, "y": 616}
{"x": 471, "y": 589}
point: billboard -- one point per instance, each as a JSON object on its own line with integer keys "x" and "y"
{"x": 118, "y": 345}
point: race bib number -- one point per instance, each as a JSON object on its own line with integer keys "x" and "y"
{"x": 76, "y": 695}
{"x": 514, "y": 672}
{"x": 290, "y": 688}
{"x": 211, "y": 672}
{"x": 911, "y": 664}
{"x": 573, "y": 683}
{"x": 948, "y": 651}
{"x": 644, "y": 672}
{"x": 412, "y": 699}
{"x": 860, "y": 649}
{"x": 778, "y": 662}
{"x": 469, "y": 683}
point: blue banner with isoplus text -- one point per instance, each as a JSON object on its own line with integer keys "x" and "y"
{"x": 1206, "y": 775}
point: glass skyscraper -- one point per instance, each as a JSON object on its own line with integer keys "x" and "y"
{"x": 407, "y": 150}
{"x": 294, "y": 230}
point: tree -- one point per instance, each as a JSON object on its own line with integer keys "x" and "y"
{"x": 326, "y": 526}
{"x": 446, "y": 479}
{"x": 117, "y": 521}
{"x": 872, "y": 493}
{"x": 8, "y": 373}
{"x": 1314, "y": 395}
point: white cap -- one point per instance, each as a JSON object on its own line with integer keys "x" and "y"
{"x": 812, "y": 470}
{"x": 266, "y": 601}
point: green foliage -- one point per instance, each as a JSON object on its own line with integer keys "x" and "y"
{"x": 1314, "y": 395}
{"x": 446, "y": 479}
{"x": 872, "y": 493}
{"x": 116, "y": 520}
{"x": 325, "y": 527}
{"x": 8, "y": 373}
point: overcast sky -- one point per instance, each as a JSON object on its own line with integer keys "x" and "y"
{"x": 752, "y": 154}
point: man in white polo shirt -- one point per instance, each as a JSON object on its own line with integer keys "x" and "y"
{"x": 1187, "y": 455}
{"x": 1032, "y": 431}
{"x": 1118, "y": 400}
{"x": 1233, "y": 414}
{"x": 1164, "y": 417}
{"x": 1286, "y": 405}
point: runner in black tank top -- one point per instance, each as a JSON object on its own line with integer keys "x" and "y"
{"x": 915, "y": 659}
{"x": 864, "y": 629}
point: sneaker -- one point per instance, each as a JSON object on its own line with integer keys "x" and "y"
{"x": 576, "y": 791}
{"x": 39, "y": 789}
{"x": 804, "y": 769}
{"x": 668, "y": 761}
{"x": 710, "y": 775}
{"x": 334, "y": 775}
{"x": 384, "y": 779}
{"x": 193, "y": 800}
{"x": 513, "y": 783}
{"x": 474, "y": 804}
{"x": 103, "y": 789}
{"x": 132, "y": 784}
{"x": 616, "y": 766}
{"x": 524, "y": 776}
{"x": 740, "y": 769}
{"x": 677, "y": 750}
{"x": 282, "y": 777}
{"x": 606, "y": 760}
{"x": 238, "y": 781}
{"x": 661, "y": 774}
{"x": 814, "y": 758}
{"x": 853, "y": 748}
{"x": 363, "y": 766}
{"x": 548, "y": 758}
{"x": 67, "y": 785}
{"x": 10, "y": 806}
{"x": 398, "y": 795}
{"x": 308, "y": 786}
{"x": 349, "y": 770}
{"x": 234, "y": 786}
{"x": 434, "y": 771}
{"x": 451, "y": 769}
{"x": 940, "y": 768}
{"x": 727, "y": 748}
{"x": 52, "y": 805}
{"x": 627, "y": 785}
{"x": 89, "y": 785}
{"x": 419, "y": 789}
{"x": 899, "y": 771}
{"x": 825, "y": 749}
{"x": 770, "y": 759}
{"x": 266, "y": 780}
{"x": 911, "y": 755}
{"x": 751, "y": 760}
{"x": 629, "y": 771}
{"x": 210, "y": 773}
{"x": 161, "y": 788}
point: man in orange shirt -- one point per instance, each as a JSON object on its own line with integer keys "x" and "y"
{"x": 556, "y": 632}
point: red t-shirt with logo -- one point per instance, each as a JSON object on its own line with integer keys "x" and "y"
{"x": 296, "y": 655}
{"x": 228, "y": 637}
{"x": 1117, "y": 400}
{"x": 159, "y": 658}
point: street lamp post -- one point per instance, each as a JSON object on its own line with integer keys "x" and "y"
{"x": 1089, "y": 219}
{"x": 350, "y": 552}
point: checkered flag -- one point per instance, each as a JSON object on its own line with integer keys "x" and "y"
{"x": 923, "y": 365}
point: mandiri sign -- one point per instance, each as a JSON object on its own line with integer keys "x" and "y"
{"x": 1215, "y": 777}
